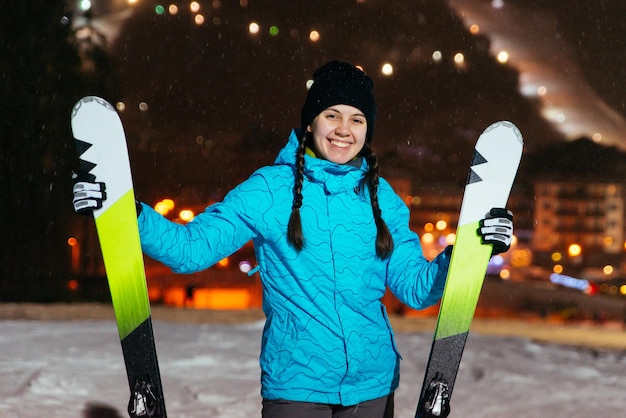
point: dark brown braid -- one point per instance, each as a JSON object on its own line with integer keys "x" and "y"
{"x": 294, "y": 228}
{"x": 384, "y": 241}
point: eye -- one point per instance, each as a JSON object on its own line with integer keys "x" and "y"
{"x": 358, "y": 121}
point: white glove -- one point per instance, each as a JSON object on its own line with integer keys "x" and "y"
{"x": 88, "y": 193}
{"x": 497, "y": 229}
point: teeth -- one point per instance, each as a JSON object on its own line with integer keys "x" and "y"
{"x": 340, "y": 144}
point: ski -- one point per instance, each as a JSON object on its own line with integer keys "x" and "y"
{"x": 101, "y": 145}
{"x": 493, "y": 169}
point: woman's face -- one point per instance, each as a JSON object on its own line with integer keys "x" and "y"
{"x": 338, "y": 133}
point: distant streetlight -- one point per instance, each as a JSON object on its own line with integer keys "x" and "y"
{"x": 245, "y": 266}
{"x": 254, "y": 28}
{"x": 314, "y": 36}
{"x": 85, "y": 5}
{"x": 387, "y": 69}
{"x": 75, "y": 250}
{"x": 574, "y": 250}
{"x": 459, "y": 59}
{"x": 503, "y": 57}
{"x": 164, "y": 206}
{"x": 186, "y": 215}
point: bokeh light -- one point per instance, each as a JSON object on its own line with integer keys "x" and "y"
{"x": 186, "y": 215}
{"x": 314, "y": 36}
{"x": 428, "y": 238}
{"x": 503, "y": 57}
{"x": 254, "y": 28}
{"x": 245, "y": 266}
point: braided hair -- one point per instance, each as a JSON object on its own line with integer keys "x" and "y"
{"x": 384, "y": 240}
{"x": 294, "y": 228}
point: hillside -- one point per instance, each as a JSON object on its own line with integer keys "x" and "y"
{"x": 222, "y": 100}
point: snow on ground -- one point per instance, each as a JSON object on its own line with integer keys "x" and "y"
{"x": 74, "y": 368}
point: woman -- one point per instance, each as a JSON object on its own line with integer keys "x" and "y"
{"x": 330, "y": 237}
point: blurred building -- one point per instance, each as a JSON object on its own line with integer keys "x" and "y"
{"x": 562, "y": 216}
{"x": 436, "y": 208}
{"x": 579, "y": 223}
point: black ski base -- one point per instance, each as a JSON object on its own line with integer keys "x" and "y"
{"x": 144, "y": 378}
{"x": 441, "y": 371}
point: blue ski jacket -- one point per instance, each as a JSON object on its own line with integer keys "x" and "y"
{"x": 327, "y": 338}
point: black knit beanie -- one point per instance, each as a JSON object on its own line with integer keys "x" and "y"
{"x": 336, "y": 83}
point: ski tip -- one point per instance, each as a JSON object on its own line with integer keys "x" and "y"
{"x": 92, "y": 99}
{"x": 509, "y": 126}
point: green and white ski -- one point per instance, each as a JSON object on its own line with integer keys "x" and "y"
{"x": 101, "y": 145}
{"x": 493, "y": 168}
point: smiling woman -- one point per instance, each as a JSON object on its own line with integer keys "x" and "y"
{"x": 330, "y": 237}
{"x": 338, "y": 133}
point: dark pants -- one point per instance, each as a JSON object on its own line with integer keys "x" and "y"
{"x": 377, "y": 408}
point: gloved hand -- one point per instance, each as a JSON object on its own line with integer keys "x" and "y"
{"x": 88, "y": 193}
{"x": 497, "y": 229}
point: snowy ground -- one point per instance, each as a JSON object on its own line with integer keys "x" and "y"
{"x": 74, "y": 368}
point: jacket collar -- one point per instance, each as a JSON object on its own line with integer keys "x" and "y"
{"x": 335, "y": 178}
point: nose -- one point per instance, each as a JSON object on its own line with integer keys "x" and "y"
{"x": 343, "y": 128}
